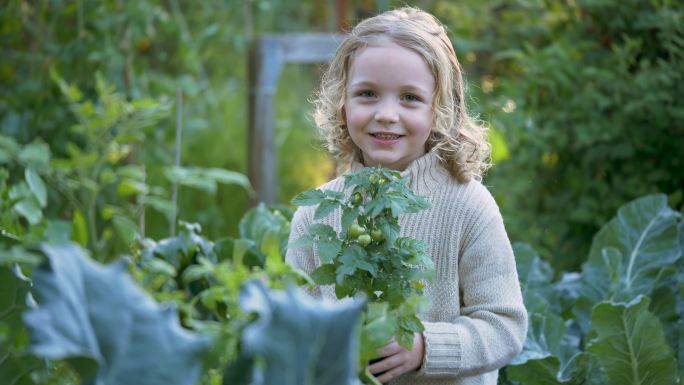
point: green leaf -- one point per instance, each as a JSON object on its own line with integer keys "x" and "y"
{"x": 36, "y": 154}
{"x": 404, "y": 338}
{"x": 353, "y": 258}
{"x": 321, "y": 230}
{"x": 261, "y": 224}
{"x": 194, "y": 273}
{"x": 328, "y": 249}
{"x": 18, "y": 254}
{"x": 309, "y": 198}
{"x": 288, "y": 323}
{"x": 131, "y": 171}
{"x": 158, "y": 266}
{"x": 324, "y": 274}
{"x": 190, "y": 177}
{"x": 35, "y": 183}
{"x": 635, "y": 248}
{"x": 128, "y": 187}
{"x": 349, "y": 214}
{"x": 9, "y": 148}
{"x": 79, "y": 225}
{"x": 411, "y": 323}
{"x": 327, "y": 242}
{"x": 29, "y": 208}
{"x": 126, "y": 228}
{"x": 545, "y": 332}
{"x": 224, "y": 176}
{"x": 162, "y": 205}
{"x": 532, "y": 271}
{"x": 538, "y": 372}
{"x": 14, "y": 290}
{"x": 16, "y": 364}
{"x": 325, "y": 208}
{"x": 107, "y": 328}
{"x": 630, "y": 344}
{"x": 379, "y": 327}
{"x": 305, "y": 240}
{"x": 664, "y": 306}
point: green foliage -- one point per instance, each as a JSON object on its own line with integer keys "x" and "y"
{"x": 106, "y": 328}
{"x": 387, "y": 269}
{"x": 588, "y": 95}
{"x": 17, "y": 363}
{"x": 101, "y": 324}
{"x": 622, "y": 321}
{"x": 637, "y": 251}
{"x": 205, "y": 278}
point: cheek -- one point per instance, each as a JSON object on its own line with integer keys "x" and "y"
{"x": 353, "y": 118}
{"x": 422, "y": 124}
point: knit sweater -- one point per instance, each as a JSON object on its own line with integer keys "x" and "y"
{"x": 477, "y": 321}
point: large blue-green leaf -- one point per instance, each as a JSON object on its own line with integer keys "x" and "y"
{"x": 539, "y": 372}
{"x": 630, "y": 254}
{"x": 631, "y": 345}
{"x": 535, "y": 277}
{"x": 548, "y": 352}
{"x": 544, "y": 337}
{"x": 302, "y": 341}
{"x": 664, "y": 306}
{"x": 16, "y": 364}
{"x": 107, "y": 328}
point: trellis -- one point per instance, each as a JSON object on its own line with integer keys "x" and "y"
{"x": 267, "y": 56}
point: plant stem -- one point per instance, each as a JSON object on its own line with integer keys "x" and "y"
{"x": 176, "y": 163}
{"x": 367, "y": 378}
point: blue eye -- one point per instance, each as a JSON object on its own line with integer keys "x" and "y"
{"x": 367, "y": 94}
{"x": 411, "y": 98}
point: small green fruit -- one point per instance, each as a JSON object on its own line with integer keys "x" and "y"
{"x": 355, "y": 230}
{"x": 364, "y": 240}
{"x": 377, "y": 235}
{"x": 357, "y": 198}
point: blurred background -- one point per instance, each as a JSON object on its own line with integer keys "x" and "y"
{"x": 584, "y": 98}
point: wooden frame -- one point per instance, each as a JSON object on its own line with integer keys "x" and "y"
{"x": 267, "y": 55}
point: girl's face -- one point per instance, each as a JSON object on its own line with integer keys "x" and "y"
{"x": 388, "y": 105}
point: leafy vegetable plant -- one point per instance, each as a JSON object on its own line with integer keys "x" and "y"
{"x": 368, "y": 256}
{"x": 619, "y": 321}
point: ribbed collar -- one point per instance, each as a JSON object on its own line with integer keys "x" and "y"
{"x": 422, "y": 175}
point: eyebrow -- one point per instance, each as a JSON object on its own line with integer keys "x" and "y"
{"x": 407, "y": 87}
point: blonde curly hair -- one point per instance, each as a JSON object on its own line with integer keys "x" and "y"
{"x": 459, "y": 140}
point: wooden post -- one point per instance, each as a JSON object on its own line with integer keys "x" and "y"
{"x": 267, "y": 55}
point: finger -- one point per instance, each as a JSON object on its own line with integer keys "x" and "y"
{"x": 390, "y": 349}
{"x": 385, "y": 364}
{"x": 391, "y": 374}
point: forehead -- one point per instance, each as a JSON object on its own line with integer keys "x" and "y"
{"x": 388, "y": 62}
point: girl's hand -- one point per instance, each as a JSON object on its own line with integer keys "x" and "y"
{"x": 396, "y": 360}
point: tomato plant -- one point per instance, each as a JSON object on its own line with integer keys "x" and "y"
{"x": 387, "y": 269}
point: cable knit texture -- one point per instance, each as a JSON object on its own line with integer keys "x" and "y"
{"x": 477, "y": 321}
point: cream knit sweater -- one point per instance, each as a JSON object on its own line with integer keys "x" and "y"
{"x": 477, "y": 321}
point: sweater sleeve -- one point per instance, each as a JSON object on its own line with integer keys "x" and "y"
{"x": 302, "y": 258}
{"x": 492, "y": 324}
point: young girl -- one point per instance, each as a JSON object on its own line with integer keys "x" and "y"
{"x": 393, "y": 96}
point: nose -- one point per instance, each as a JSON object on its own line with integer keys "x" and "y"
{"x": 386, "y": 112}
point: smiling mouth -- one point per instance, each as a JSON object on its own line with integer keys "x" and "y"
{"x": 385, "y": 136}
